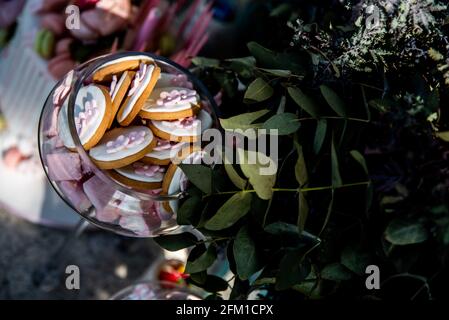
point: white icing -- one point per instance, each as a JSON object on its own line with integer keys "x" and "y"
{"x": 118, "y": 85}
{"x": 125, "y": 59}
{"x": 173, "y": 80}
{"x": 100, "y": 151}
{"x": 143, "y": 85}
{"x": 129, "y": 172}
{"x": 152, "y": 105}
{"x": 85, "y": 94}
{"x": 168, "y": 153}
{"x": 201, "y": 123}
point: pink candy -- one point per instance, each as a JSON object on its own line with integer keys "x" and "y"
{"x": 64, "y": 166}
{"x": 74, "y": 193}
{"x": 126, "y": 141}
{"x": 181, "y": 80}
{"x": 101, "y": 195}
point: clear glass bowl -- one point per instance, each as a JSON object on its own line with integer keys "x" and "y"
{"x": 93, "y": 193}
{"x": 158, "y": 290}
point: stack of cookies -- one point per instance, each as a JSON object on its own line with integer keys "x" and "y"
{"x": 132, "y": 120}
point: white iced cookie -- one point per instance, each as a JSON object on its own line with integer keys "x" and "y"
{"x": 173, "y": 80}
{"x": 141, "y": 87}
{"x": 92, "y": 116}
{"x": 163, "y": 152}
{"x": 140, "y": 175}
{"x": 182, "y": 130}
{"x": 122, "y": 146}
{"x": 171, "y": 103}
{"x": 118, "y": 89}
{"x": 119, "y": 65}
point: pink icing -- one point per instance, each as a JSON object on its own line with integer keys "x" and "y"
{"x": 146, "y": 170}
{"x": 138, "y": 78}
{"x": 165, "y": 145}
{"x": 126, "y": 141}
{"x": 175, "y": 97}
{"x": 184, "y": 123}
{"x": 86, "y": 117}
{"x": 181, "y": 80}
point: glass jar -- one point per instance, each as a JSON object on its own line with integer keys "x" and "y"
{"x": 87, "y": 189}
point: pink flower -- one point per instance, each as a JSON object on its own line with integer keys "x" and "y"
{"x": 176, "y": 97}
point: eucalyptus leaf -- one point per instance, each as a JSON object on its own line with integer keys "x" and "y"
{"x": 277, "y": 72}
{"x": 404, "y": 232}
{"x": 360, "y": 159}
{"x": 243, "y": 66}
{"x": 260, "y": 170}
{"x": 205, "y": 62}
{"x": 355, "y": 259}
{"x": 300, "y": 167}
{"x": 334, "y": 101}
{"x": 232, "y": 211}
{"x": 286, "y": 123}
{"x": 243, "y": 121}
{"x": 292, "y": 270}
{"x": 202, "y": 262}
{"x": 258, "y": 91}
{"x": 335, "y": 168}
{"x": 443, "y": 135}
{"x": 199, "y": 175}
{"x": 320, "y": 135}
{"x": 280, "y": 228}
{"x": 235, "y": 178}
{"x": 176, "y": 242}
{"x": 336, "y": 272}
{"x": 188, "y": 210}
{"x": 245, "y": 254}
{"x": 305, "y": 102}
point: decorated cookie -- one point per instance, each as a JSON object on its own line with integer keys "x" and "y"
{"x": 92, "y": 116}
{"x": 122, "y": 146}
{"x": 119, "y": 87}
{"x": 140, "y": 175}
{"x": 141, "y": 88}
{"x": 175, "y": 180}
{"x": 171, "y": 103}
{"x": 173, "y": 80}
{"x": 182, "y": 130}
{"x": 106, "y": 71}
{"x": 163, "y": 152}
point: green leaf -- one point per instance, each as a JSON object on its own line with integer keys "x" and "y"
{"x": 320, "y": 135}
{"x": 277, "y": 72}
{"x": 176, "y": 242}
{"x": 238, "y": 181}
{"x": 258, "y": 91}
{"x": 404, "y": 232}
{"x": 188, "y": 210}
{"x": 205, "y": 62}
{"x": 243, "y": 121}
{"x": 281, "y": 10}
{"x": 239, "y": 289}
{"x": 285, "y": 123}
{"x": 306, "y": 103}
{"x": 303, "y": 211}
{"x": 280, "y": 228}
{"x": 245, "y": 254}
{"x": 260, "y": 170}
{"x": 355, "y": 259}
{"x": 360, "y": 159}
{"x": 300, "y": 167}
{"x": 334, "y": 101}
{"x": 443, "y": 135}
{"x": 243, "y": 66}
{"x": 199, "y": 175}
{"x": 292, "y": 270}
{"x": 227, "y": 81}
{"x": 269, "y": 59}
{"x": 335, "y": 272}
{"x": 233, "y": 210}
{"x": 335, "y": 169}
{"x": 382, "y": 105}
{"x": 209, "y": 283}
{"x": 202, "y": 262}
